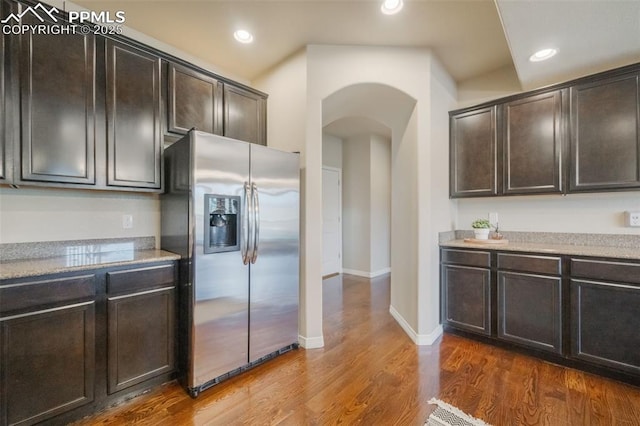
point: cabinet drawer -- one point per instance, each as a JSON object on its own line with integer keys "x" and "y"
{"x": 14, "y": 297}
{"x": 610, "y": 271}
{"x": 530, "y": 263}
{"x": 467, "y": 257}
{"x": 133, "y": 280}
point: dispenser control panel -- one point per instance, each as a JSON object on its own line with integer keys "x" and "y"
{"x": 222, "y": 223}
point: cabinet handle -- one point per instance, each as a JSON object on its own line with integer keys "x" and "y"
{"x": 256, "y": 222}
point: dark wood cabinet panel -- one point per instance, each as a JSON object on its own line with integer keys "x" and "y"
{"x": 3, "y": 114}
{"x": 473, "y": 153}
{"x": 530, "y": 310}
{"x": 605, "y": 134}
{"x": 551, "y": 265}
{"x": 532, "y": 144}
{"x": 141, "y": 337}
{"x": 606, "y": 270}
{"x": 133, "y": 280}
{"x": 41, "y": 293}
{"x": 47, "y": 363}
{"x": 466, "y": 298}
{"x": 244, "y": 115}
{"x": 605, "y": 324}
{"x": 57, "y": 87}
{"x": 466, "y": 257}
{"x": 195, "y": 100}
{"x": 134, "y": 136}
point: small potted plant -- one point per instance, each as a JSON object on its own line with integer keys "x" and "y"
{"x": 481, "y": 228}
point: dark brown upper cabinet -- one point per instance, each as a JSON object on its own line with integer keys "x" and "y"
{"x": 57, "y": 87}
{"x": 3, "y": 110}
{"x": 532, "y": 144}
{"x": 473, "y": 153}
{"x": 134, "y": 135}
{"x": 605, "y": 134}
{"x": 244, "y": 115}
{"x": 195, "y": 100}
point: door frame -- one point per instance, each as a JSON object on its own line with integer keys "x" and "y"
{"x": 339, "y": 171}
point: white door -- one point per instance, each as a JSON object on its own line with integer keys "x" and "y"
{"x": 331, "y": 221}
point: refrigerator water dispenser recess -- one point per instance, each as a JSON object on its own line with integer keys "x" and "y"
{"x": 222, "y": 223}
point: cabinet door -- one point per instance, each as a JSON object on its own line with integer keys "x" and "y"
{"x": 530, "y": 310}
{"x": 605, "y": 324}
{"x": 473, "y": 153}
{"x": 141, "y": 337}
{"x": 466, "y": 298}
{"x": 195, "y": 100}
{"x": 58, "y": 111}
{"x": 134, "y": 138}
{"x": 47, "y": 363}
{"x": 244, "y": 115}
{"x": 605, "y": 134}
{"x": 532, "y": 144}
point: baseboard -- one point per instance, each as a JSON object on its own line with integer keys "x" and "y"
{"x": 418, "y": 339}
{"x": 311, "y": 342}
{"x": 366, "y": 274}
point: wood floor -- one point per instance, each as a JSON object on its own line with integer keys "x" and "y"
{"x": 370, "y": 373}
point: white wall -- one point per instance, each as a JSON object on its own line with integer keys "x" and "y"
{"x": 380, "y": 210}
{"x": 581, "y": 213}
{"x": 356, "y": 204}
{"x": 492, "y": 85}
{"x": 333, "y": 70}
{"x": 331, "y": 151}
{"x": 33, "y": 214}
{"x": 436, "y": 209}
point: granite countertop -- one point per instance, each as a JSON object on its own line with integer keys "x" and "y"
{"x": 552, "y": 248}
{"x": 32, "y": 267}
{"x": 19, "y": 260}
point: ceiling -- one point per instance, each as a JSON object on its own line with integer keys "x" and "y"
{"x": 471, "y": 38}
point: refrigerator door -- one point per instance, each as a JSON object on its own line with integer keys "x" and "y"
{"x": 220, "y": 293}
{"x": 274, "y": 273}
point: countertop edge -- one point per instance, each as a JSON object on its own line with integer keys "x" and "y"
{"x": 551, "y": 249}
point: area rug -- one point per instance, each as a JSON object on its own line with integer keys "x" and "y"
{"x": 448, "y": 415}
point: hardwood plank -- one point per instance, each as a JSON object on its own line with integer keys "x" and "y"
{"x": 370, "y": 372}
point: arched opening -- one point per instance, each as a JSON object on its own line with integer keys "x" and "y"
{"x": 375, "y": 126}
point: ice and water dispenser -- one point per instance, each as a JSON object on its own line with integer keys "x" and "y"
{"x": 222, "y": 223}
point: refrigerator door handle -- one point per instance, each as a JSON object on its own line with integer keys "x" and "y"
{"x": 256, "y": 222}
{"x": 246, "y": 224}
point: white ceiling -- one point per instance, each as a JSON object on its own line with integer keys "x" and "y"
{"x": 470, "y": 37}
{"x": 590, "y": 35}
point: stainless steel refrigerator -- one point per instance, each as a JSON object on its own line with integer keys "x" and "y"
{"x": 231, "y": 210}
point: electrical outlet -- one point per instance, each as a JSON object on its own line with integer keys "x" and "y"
{"x": 127, "y": 221}
{"x": 632, "y": 219}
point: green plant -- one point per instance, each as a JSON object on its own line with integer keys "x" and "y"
{"x": 480, "y": 224}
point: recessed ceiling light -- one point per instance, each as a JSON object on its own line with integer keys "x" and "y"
{"x": 542, "y": 55}
{"x": 243, "y": 36}
{"x": 390, "y": 7}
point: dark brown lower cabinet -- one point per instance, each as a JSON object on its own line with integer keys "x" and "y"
{"x": 47, "y": 363}
{"x": 605, "y": 323}
{"x": 466, "y": 298}
{"x": 71, "y": 344}
{"x": 582, "y": 312}
{"x": 530, "y": 310}
{"x": 141, "y": 340}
